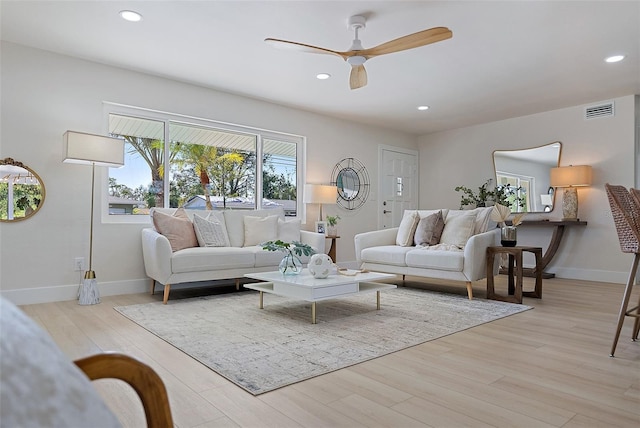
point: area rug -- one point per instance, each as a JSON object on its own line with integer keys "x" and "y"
{"x": 264, "y": 349}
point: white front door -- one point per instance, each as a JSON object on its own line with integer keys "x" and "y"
{"x": 398, "y": 184}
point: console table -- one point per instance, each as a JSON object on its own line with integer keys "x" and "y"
{"x": 559, "y": 227}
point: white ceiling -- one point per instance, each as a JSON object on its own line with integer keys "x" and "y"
{"x": 506, "y": 58}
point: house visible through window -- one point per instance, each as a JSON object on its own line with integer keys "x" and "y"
{"x": 203, "y": 166}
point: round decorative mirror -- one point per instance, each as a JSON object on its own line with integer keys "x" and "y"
{"x": 21, "y": 191}
{"x": 351, "y": 178}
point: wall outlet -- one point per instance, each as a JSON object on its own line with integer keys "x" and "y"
{"x": 79, "y": 264}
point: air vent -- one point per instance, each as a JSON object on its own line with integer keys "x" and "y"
{"x": 602, "y": 110}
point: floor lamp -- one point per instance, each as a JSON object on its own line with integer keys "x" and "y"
{"x": 89, "y": 149}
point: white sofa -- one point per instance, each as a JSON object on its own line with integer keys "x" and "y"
{"x": 168, "y": 265}
{"x": 462, "y": 260}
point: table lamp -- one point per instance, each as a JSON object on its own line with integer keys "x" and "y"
{"x": 570, "y": 177}
{"x": 320, "y": 194}
{"x": 89, "y": 149}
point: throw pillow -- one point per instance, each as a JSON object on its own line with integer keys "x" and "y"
{"x": 407, "y": 228}
{"x": 458, "y": 229}
{"x": 178, "y": 231}
{"x": 289, "y": 231}
{"x": 260, "y": 229}
{"x": 210, "y": 231}
{"x": 429, "y": 230}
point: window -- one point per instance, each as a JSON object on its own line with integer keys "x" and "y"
{"x": 209, "y": 165}
{"x": 518, "y": 196}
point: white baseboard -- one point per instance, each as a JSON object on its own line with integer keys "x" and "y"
{"x": 30, "y": 296}
{"x": 592, "y": 275}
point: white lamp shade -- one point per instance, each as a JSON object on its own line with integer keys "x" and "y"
{"x": 571, "y": 176}
{"x": 93, "y": 149}
{"x": 320, "y": 194}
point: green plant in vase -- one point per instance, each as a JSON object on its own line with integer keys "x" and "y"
{"x": 291, "y": 263}
{"x": 332, "y": 222}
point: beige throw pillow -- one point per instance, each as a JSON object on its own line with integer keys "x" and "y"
{"x": 179, "y": 231}
{"x": 289, "y": 230}
{"x": 211, "y": 231}
{"x": 458, "y": 229}
{"x": 429, "y": 230}
{"x": 260, "y": 229}
{"x": 407, "y": 228}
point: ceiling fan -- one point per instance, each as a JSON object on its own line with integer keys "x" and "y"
{"x": 356, "y": 56}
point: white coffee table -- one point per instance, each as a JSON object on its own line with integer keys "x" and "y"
{"x": 305, "y": 287}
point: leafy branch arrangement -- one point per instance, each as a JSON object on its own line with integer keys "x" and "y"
{"x": 288, "y": 247}
{"x": 503, "y": 194}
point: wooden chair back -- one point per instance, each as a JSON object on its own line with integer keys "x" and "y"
{"x": 625, "y": 208}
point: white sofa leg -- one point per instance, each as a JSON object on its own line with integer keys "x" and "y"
{"x": 165, "y": 298}
{"x": 470, "y": 290}
{"x": 153, "y": 286}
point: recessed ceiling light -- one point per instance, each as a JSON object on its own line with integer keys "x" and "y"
{"x": 614, "y": 58}
{"x": 131, "y": 16}
{"x": 422, "y": 108}
{"x": 323, "y": 76}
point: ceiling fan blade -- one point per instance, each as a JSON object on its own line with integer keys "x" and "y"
{"x": 284, "y": 44}
{"x": 358, "y": 77}
{"x": 415, "y": 40}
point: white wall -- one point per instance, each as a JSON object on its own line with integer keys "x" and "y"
{"x": 464, "y": 157}
{"x": 45, "y": 94}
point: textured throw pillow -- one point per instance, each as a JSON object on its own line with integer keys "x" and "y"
{"x": 179, "y": 231}
{"x": 289, "y": 230}
{"x": 429, "y": 230}
{"x": 458, "y": 229}
{"x": 407, "y": 228}
{"x": 210, "y": 231}
{"x": 260, "y": 229}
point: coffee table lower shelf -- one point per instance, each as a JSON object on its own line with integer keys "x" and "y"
{"x": 284, "y": 290}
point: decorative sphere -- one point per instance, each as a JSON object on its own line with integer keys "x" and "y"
{"x": 320, "y": 265}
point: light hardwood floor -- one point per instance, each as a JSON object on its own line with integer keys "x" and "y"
{"x": 541, "y": 368}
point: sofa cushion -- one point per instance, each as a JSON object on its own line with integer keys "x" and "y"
{"x": 386, "y": 254}
{"x": 429, "y": 230}
{"x": 458, "y": 228}
{"x": 427, "y": 258}
{"x": 259, "y": 229}
{"x": 289, "y": 231}
{"x": 234, "y": 220}
{"x": 177, "y": 228}
{"x": 211, "y": 258}
{"x": 211, "y": 230}
{"x": 407, "y": 228}
{"x": 483, "y": 218}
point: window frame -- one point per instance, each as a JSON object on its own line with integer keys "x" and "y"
{"x": 125, "y": 110}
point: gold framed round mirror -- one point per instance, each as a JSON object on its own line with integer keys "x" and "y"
{"x": 22, "y": 191}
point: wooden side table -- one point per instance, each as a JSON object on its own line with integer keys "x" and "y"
{"x": 332, "y": 249}
{"x": 515, "y": 273}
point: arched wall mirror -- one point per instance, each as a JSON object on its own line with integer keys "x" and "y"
{"x": 528, "y": 171}
{"x": 352, "y": 180}
{"x": 21, "y": 191}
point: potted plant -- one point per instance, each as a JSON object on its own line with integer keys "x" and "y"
{"x": 332, "y": 222}
{"x": 291, "y": 263}
{"x": 485, "y": 197}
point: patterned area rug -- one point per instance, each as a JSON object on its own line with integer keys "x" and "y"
{"x": 262, "y": 350}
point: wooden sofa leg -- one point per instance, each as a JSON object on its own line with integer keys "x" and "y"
{"x": 470, "y": 290}
{"x": 237, "y": 284}
{"x": 167, "y": 287}
{"x": 153, "y": 287}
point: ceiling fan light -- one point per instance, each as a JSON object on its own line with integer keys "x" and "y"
{"x": 356, "y": 60}
{"x": 423, "y": 108}
{"x": 614, "y": 58}
{"x": 323, "y": 76}
{"x": 130, "y": 15}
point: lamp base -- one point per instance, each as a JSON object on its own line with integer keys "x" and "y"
{"x": 89, "y": 292}
{"x": 570, "y": 204}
